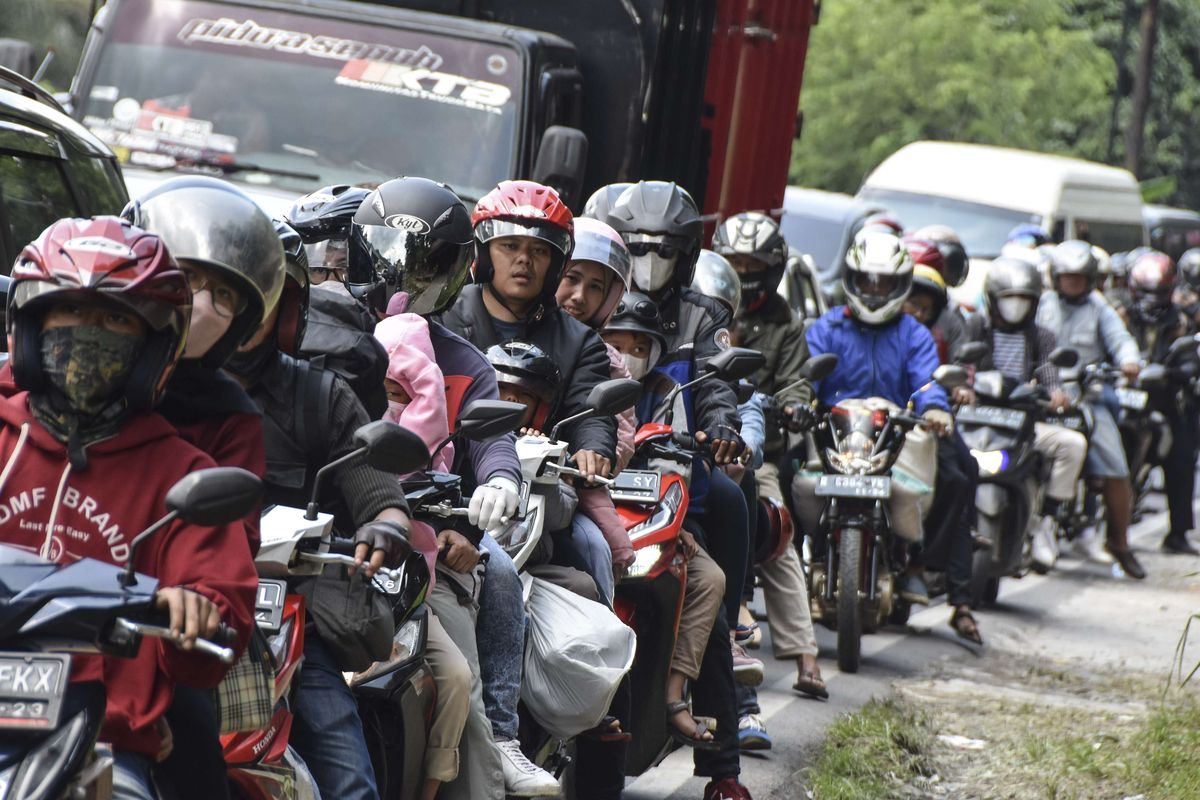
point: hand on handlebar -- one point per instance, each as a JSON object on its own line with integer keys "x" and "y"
{"x": 592, "y": 464}
{"x": 1131, "y": 370}
{"x": 799, "y": 417}
{"x": 192, "y": 615}
{"x": 726, "y": 445}
{"x": 964, "y": 395}
{"x": 938, "y": 421}
{"x": 457, "y": 551}
{"x": 1059, "y": 401}
{"x": 384, "y": 541}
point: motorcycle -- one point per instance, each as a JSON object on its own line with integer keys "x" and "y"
{"x": 48, "y": 725}
{"x": 300, "y": 543}
{"x": 653, "y": 503}
{"x": 856, "y": 501}
{"x": 999, "y": 429}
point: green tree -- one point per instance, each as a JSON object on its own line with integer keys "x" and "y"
{"x": 883, "y": 73}
{"x": 59, "y": 25}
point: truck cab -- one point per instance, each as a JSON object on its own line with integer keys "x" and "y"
{"x": 284, "y": 97}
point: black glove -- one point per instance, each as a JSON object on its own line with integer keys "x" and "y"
{"x": 801, "y": 418}
{"x": 388, "y": 536}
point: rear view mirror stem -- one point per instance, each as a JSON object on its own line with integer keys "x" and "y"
{"x": 313, "y": 508}
{"x": 128, "y": 576}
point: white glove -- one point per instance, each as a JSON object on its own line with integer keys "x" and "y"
{"x": 940, "y": 418}
{"x": 494, "y": 503}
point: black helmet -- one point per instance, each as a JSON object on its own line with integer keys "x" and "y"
{"x": 757, "y": 236}
{"x": 658, "y": 220}
{"x": 528, "y": 368}
{"x": 293, "y": 303}
{"x": 637, "y": 313}
{"x": 326, "y": 213}
{"x": 1012, "y": 289}
{"x": 213, "y": 223}
{"x": 410, "y": 235}
{"x": 603, "y": 199}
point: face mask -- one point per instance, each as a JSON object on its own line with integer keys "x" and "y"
{"x": 395, "y": 409}
{"x": 638, "y": 367}
{"x": 252, "y": 362}
{"x": 206, "y": 327}
{"x": 1013, "y": 310}
{"x": 652, "y": 272}
{"x": 89, "y": 364}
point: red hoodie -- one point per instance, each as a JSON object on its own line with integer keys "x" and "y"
{"x": 96, "y": 512}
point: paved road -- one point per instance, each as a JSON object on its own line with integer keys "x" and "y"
{"x": 1067, "y": 613}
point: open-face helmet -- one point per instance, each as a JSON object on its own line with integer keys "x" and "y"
{"x": 597, "y": 242}
{"x": 716, "y": 277}
{"x": 523, "y": 208}
{"x": 1074, "y": 257}
{"x": 528, "y": 368}
{"x": 637, "y": 313}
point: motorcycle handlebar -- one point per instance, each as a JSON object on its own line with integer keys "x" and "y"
{"x": 223, "y": 654}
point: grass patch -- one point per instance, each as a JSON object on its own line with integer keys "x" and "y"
{"x": 1168, "y": 752}
{"x": 869, "y": 753}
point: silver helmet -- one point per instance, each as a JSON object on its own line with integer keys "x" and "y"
{"x": 1074, "y": 257}
{"x": 715, "y": 277}
{"x": 603, "y": 199}
{"x": 1012, "y": 289}
{"x": 214, "y": 224}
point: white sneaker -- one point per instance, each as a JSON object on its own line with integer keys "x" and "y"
{"x": 523, "y": 778}
{"x": 1089, "y": 545}
{"x": 1045, "y": 544}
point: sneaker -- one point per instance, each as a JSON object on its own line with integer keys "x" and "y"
{"x": 523, "y": 778}
{"x": 726, "y": 789}
{"x": 913, "y": 589}
{"x": 1089, "y": 545}
{"x": 752, "y": 733}
{"x": 1045, "y": 545}
{"x": 746, "y": 670}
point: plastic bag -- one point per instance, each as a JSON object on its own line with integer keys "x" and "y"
{"x": 578, "y": 651}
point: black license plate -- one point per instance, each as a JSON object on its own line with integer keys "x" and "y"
{"x": 268, "y": 608}
{"x": 1132, "y": 399}
{"x": 635, "y": 486}
{"x": 1009, "y": 418}
{"x": 31, "y": 689}
{"x": 867, "y": 487}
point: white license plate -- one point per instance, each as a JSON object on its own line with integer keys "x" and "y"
{"x": 31, "y": 689}
{"x": 636, "y": 486}
{"x": 867, "y": 487}
{"x": 268, "y": 607}
{"x": 1008, "y": 418}
{"x": 1132, "y": 399}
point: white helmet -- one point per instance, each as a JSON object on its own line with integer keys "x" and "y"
{"x": 877, "y": 277}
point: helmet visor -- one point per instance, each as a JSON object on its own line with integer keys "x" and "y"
{"x": 430, "y": 270}
{"x": 875, "y": 289}
{"x": 556, "y": 237}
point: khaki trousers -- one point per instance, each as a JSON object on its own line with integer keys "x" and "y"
{"x": 784, "y": 588}
{"x": 703, "y": 596}
{"x": 452, "y": 675}
{"x": 1065, "y": 450}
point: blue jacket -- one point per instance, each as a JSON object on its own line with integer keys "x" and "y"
{"x": 891, "y": 361}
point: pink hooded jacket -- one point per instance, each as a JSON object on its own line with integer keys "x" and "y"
{"x": 411, "y": 364}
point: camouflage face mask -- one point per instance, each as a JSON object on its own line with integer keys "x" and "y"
{"x": 89, "y": 364}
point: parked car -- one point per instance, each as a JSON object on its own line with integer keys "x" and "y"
{"x": 50, "y": 167}
{"x": 822, "y": 225}
{"x": 1172, "y": 230}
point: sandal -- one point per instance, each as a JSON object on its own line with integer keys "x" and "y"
{"x": 970, "y": 631}
{"x": 605, "y": 732}
{"x": 703, "y": 725}
{"x": 811, "y": 684}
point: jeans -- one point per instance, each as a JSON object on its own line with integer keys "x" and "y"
{"x": 195, "y": 770}
{"x": 500, "y": 636}
{"x": 1179, "y": 469}
{"x": 327, "y": 731}
{"x": 132, "y": 778}
{"x": 590, "y": 543}
{"x": 948, "y": 543}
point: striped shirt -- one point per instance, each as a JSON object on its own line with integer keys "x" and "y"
{"x": 1008, "y": 354}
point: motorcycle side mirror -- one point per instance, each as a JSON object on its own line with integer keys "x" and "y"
{"x": 819, "y": 367}
{"x": 745, "y": 391}
{"x": 735, "y": 363}
{"x": 1153, "y": 377}
{"x": 606, "y": 399}
{"x": 1024, "y": 392}
{"x": 484, "y": 420}
{"x": 562, "y": 161}
{"x": 209, "y": 497}
{"x": 390, "y": 448}
{"x": 1064, "y": 357}
{"x": 950, "y": 376}
{"x": 971, "y": 353}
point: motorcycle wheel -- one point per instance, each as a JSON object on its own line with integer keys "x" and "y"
{"x": 849, "y": 608}
{"x": 991, "y": 592}
{"x": 981, "y": 569}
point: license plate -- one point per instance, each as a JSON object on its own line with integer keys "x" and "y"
{"x": 994, "y": 416}
{"x": 867, "y": 487}
{"x": 635, "y": 486}
{"x": 1132, "y": 399}
{"x": 31, "y": 689}
{"x": 268, "y": 608}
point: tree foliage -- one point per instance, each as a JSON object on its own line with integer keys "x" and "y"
{"x": 59, "y": 25}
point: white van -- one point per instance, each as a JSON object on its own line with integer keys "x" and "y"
{"x": 984, "y": 192}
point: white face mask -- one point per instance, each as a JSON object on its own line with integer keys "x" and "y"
{"x": 206, "y": 327}
{"x": 395, "y": 409}
{"x": 652, "y": 272}
{"x": 638, "y": 367}
{"x": 1013, "y": 309}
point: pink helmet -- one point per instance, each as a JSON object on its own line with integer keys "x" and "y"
{"x": 596, "y": 241}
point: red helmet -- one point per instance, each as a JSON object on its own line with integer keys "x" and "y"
{"x": 885, "y": 223}
{"x": 523, "y": 208}
{"x": 925, "y": 252}
{"x": 101, "y": 258}
{"x": 1152, "y": 280}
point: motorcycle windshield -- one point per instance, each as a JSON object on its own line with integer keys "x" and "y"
{"x": 296, "y": 100}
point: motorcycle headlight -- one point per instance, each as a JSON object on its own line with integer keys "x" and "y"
{"x": 644, "y": 561}
{"x": 41, "y": 769}
{"x": 406, "y": 645}
{"x": 852, "y": 463}
{"x": 668, "y": 508}
{"x": 991, "y": 462}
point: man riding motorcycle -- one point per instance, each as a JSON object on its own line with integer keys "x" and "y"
{"x": 1081, "y": 318}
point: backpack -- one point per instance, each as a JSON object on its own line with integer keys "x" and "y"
{"x": 339, "y": 338}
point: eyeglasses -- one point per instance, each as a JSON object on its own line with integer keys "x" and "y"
{"x": 319, "y": 275}
{"x": 664, "y": 250}
{"x": 226, "y": 301}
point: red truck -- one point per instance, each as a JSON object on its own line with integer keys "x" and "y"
{"x": 286, "y": 96}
